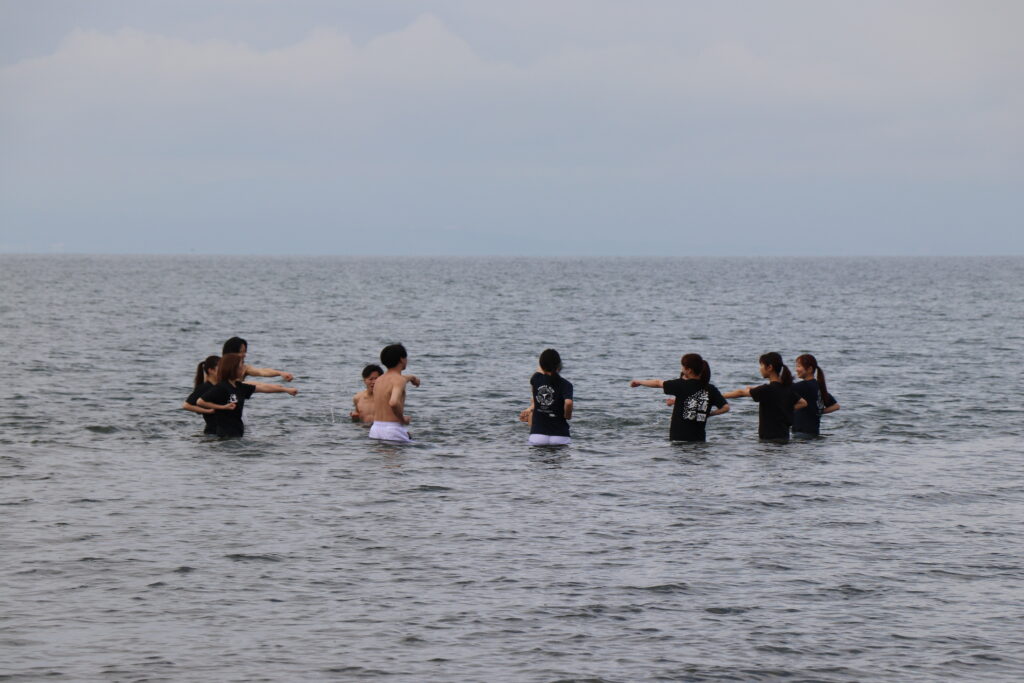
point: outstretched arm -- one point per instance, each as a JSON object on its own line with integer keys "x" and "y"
{"x": 269, "y": 372}
{"x": 266, "y": 388}
{"x": 745, "y": 391}
{"x": 652, "y": 383}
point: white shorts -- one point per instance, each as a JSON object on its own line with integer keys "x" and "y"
{"x": 546, "y": 440}
{"x": 389, "y": 431}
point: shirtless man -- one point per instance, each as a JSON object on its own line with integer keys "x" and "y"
{"x": 362, "y": 403}
{"x": 239, "y": 345}
{"x": 389, "y": 418}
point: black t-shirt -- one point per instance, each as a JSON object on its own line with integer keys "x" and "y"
{"x": 775, "y": 414}
{"x": 229, "y": 422}
{"x": 693, "y": 403}
{"x": 549, "y": 396}
{"x": 808, "y": 420}
{"x": 193, "y": 400}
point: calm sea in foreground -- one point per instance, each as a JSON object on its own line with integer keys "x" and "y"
{"x": 134, "y": 549}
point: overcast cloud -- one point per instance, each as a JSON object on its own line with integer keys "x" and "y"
{"x": 561, "y": 128}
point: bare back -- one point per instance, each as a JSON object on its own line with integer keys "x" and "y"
{"x": 390, "y": 385}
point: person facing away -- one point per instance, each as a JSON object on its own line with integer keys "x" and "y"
{"x": 240, "y": 346}
{"x": 362, "y": 402}
{"x": 695, "y": 398}
{"x": 812, "y": 388}
{"x": 776, "y": 400}
{"x": 206, "y": 376}
{"x": 229, "y": 395}
{"x": 389, "y": 418}
{"x": 550, "y": 403}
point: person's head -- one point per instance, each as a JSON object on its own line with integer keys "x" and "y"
{"x": 206, "y": 369}
{"x": 807, "y": 368}
{"x": 550, "y": 361}
{"x": 695, "y": 367}
{"x": 370, "y": 374}
{"x": 393, "y": 355}
{"x": 771, "y": 364}
{"x": 236, "y": 345}
{"x": 230, "y": 367}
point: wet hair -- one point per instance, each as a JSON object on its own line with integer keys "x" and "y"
{"x": 234, "y": 345}
{"x": 392, "y": 355}
{"x": 208, "y": 365}
{"x": 550, "y": 361}
{"x": 809, "y": 361}
{"x": 370, "y": 369}
{"x": 230, "y": 367}
{"x": 774, "y": 361}
{"x": 698, "y": 366}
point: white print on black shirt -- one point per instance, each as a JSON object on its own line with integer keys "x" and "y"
{"x": 545, "y": 397}
{"x": 696, "y": 407}
{"x": 232, "y": 399}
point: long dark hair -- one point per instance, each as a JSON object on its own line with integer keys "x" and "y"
{"x": 809, "y": 361}
{"x": 229, "y": 367}
{"x": 698, "y": 366}
{"x": 551, "y": 362}
{"x": 208, "y": 365}
{"x": 774, "y": 361}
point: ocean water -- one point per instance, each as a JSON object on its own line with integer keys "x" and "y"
{"x": 135, "y": 549}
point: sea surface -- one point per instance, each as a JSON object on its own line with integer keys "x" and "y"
{"x": 132, "y": 548}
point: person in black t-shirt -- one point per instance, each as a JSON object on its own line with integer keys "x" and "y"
{"x": 550, "y": 403}
{"x": 228, "y": 396}
{"x": 776, "y": 400}
{"x": 693, "y": 398}
{"x": 206, "y": 375}
{"x": 807, "y": 421}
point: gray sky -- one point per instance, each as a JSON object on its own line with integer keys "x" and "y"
{"x": 562, "y": 127}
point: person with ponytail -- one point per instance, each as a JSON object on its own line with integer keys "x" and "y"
{"x": 550, "y": 403}
{"x": 807, "y": 421}
{"x": 694, "y": 398}
{"x": 776, "y": 400}
{"x": 206, "y": 375}
{"x": 227, "y": 397}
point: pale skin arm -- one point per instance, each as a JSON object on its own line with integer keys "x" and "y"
{"x": 527, "y": 415}
{"x": 745, "y": 391}
{"x": 397, "y": 402}
{"x": 719, "y": 411}
{"x": 800, "y": 405}
{"x": 412, "y": 378}
{"x": 831, "y": 409}
{"x": 652, "y": 383}
{"x": 265, "y": 388}
{"x": 355, "y": 406}
{"x": 568, "y": 409}
{"x": 196, "y": 409}
{"x": 216, "y": 406}
{"x": 269, "y": 372}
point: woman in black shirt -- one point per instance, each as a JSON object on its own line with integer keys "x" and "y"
{"x": 228, "y": 396}
{"x": 776, "y": 400}
{"x": 206, "y": 376}
{"x": 550, "y": 403}
{"x": 694, "y": 398}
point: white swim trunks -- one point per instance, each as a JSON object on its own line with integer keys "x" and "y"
{"x": 389, "y": 431}
{"x": 546, "y": 440}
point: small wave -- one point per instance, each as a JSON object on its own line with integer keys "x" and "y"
{"x": 246, "y": 557}
{"x": 102, "y": 429}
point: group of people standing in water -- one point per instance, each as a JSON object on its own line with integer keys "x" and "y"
{"x": 783, "y": 405}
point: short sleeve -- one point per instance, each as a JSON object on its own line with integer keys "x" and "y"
{"x": 245, "y": 389}
{"x": 758, "y": 393}
{"x": 193, "y": 398}
{"x": 567, "y": 389}
{"x": 715, "y": 397}
{"x": 828, "y": 400}
{"x": 216, "y": 395}
{"x": 673, "y": 387}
